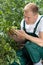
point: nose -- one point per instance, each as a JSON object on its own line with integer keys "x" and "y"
{"x": 26, "y": 19}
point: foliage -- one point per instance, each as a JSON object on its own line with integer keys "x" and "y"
{"x": 11, "y": 13}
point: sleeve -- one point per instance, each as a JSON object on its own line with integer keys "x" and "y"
{"x": 41, "y": 25}
{"x": 21, "y": 25}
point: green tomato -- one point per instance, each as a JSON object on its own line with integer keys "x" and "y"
{"x": 14, "y": 27}
{"x": 7, "y": 29}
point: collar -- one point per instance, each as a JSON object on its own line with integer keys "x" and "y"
{"x": 38, "y": 18}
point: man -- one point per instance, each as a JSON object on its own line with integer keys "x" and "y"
{"x": 32, "y": 30}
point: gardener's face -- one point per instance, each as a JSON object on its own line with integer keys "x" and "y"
{"x": 29, "y": 17}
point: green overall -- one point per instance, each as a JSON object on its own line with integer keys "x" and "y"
{"x": 35, "y": 51}
{"x": 31, "y": 52}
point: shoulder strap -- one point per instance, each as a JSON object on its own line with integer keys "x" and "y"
{"x": 24, "y": 25}
{"x": 37, "y": 25}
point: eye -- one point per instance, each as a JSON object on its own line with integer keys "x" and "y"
{"x": 28, "y": 17}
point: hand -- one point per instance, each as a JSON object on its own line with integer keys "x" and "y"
{"x": 18, "y": 37}
{"x": 20, "y": 33}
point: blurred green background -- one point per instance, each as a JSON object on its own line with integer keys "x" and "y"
{"x": 11, "y": 14}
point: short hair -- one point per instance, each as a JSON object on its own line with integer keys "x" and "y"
{"x": 31, "y": 7}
